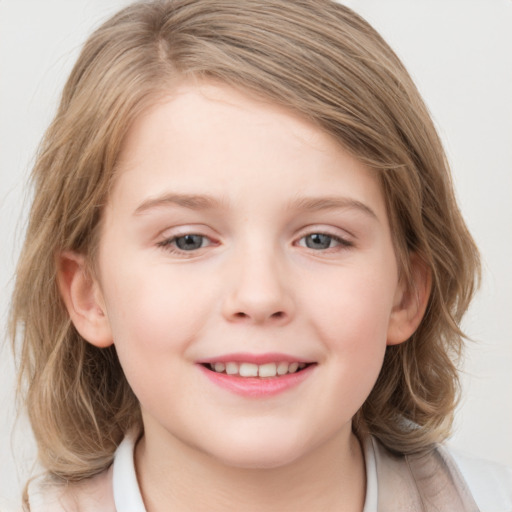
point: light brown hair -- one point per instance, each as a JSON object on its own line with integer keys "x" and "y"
{"x": 314, "y": 57}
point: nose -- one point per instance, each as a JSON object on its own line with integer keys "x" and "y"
{"x": 259, "y": 291}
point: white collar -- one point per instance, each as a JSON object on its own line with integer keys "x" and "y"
{"x": 127, "y": 496}
{"x": 371, "y": 500}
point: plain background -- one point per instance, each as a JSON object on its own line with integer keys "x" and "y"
{"x": 459, "y": 52}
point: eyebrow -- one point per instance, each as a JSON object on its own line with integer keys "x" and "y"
{"x": 331, "y": 203}
{"x": 205, "y": 202}
{"x": 191, "y": 201}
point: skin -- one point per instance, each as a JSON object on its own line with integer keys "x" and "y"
{"x": 256, "y": 285}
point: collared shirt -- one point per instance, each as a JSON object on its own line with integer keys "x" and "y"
{"x": 490, "y": 483}
{"x": 117, "y": 489}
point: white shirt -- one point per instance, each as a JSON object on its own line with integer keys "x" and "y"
{"x": 490, "y": 483}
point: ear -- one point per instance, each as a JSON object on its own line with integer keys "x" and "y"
{"x": 410, "y": 302}
{"x": 83, "y": 299}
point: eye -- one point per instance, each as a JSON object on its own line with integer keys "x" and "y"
{"x": 190, "y": 242}
{"x": 322, "y": 241}
{"x": 187, "y": 243}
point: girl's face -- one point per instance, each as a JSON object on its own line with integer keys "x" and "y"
{"x": 240, "y": 239}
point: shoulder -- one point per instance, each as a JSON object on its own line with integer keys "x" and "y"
{"x": 114, "y": 488}
{"x": 489, "y": 482}
{"x": 89, "y": 495}
{"x": 441, "y": 476}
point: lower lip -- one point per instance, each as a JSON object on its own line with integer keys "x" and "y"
{"x": 257, "y": 386}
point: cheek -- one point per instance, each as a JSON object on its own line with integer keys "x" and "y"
{"x": 351, "y": 319}
{"x": 154, "y": 318}
{"x": 355, "y": 308}
{"x": 154, "y": 310}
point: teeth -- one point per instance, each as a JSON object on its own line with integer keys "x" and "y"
{"x": 231, "y": 368}
{"x": 219, "y": 367}
{"x": 267, "y": 370}
{"x": 248, "y": 370}
{"x": 282, "y": 368}
{"x": 254, "y": 370}
{"x": 293, "y": 367}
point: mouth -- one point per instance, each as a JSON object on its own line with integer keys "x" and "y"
{"x": 257, "y": 376}
{"x": 252, "y": 370}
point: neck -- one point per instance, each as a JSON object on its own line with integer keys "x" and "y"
{"x": 174, "y": 476}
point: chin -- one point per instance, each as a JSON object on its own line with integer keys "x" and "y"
{"x": 267, "y": 459}
{"x": 259, "y": 452}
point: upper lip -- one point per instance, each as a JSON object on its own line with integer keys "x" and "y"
{"x": 258, "y": 359}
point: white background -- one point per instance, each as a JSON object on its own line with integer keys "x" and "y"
{"x": 460, "y": 54}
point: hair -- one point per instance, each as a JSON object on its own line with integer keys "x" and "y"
{"x": 315, "y": 58}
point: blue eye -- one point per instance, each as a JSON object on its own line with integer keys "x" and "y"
{"x": 321, "y": 241}
{"x": 190, "y": 242}
{"x": 185, "y": 243}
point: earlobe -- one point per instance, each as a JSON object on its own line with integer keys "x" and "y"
{"x": 83, "y": 299}
{"x": 411, "y": 302}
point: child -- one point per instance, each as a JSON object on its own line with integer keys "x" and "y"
{"x": 244, "y": 272}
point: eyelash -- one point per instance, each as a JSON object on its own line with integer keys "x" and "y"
{"x": 343, "y": 243}
{"x": 169, "y": 244}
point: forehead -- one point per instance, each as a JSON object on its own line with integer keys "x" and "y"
{"x": 210, "y": 111}
{"x": 210, "y": 137}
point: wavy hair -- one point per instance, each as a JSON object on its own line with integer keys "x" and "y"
{"x": 316, "y": 58}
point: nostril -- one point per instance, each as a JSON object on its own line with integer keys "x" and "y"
{"x": 276, "y": 315}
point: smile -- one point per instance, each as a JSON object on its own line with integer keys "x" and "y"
{"x": 266, "y": 370}
{"x": 257, "y": 376}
